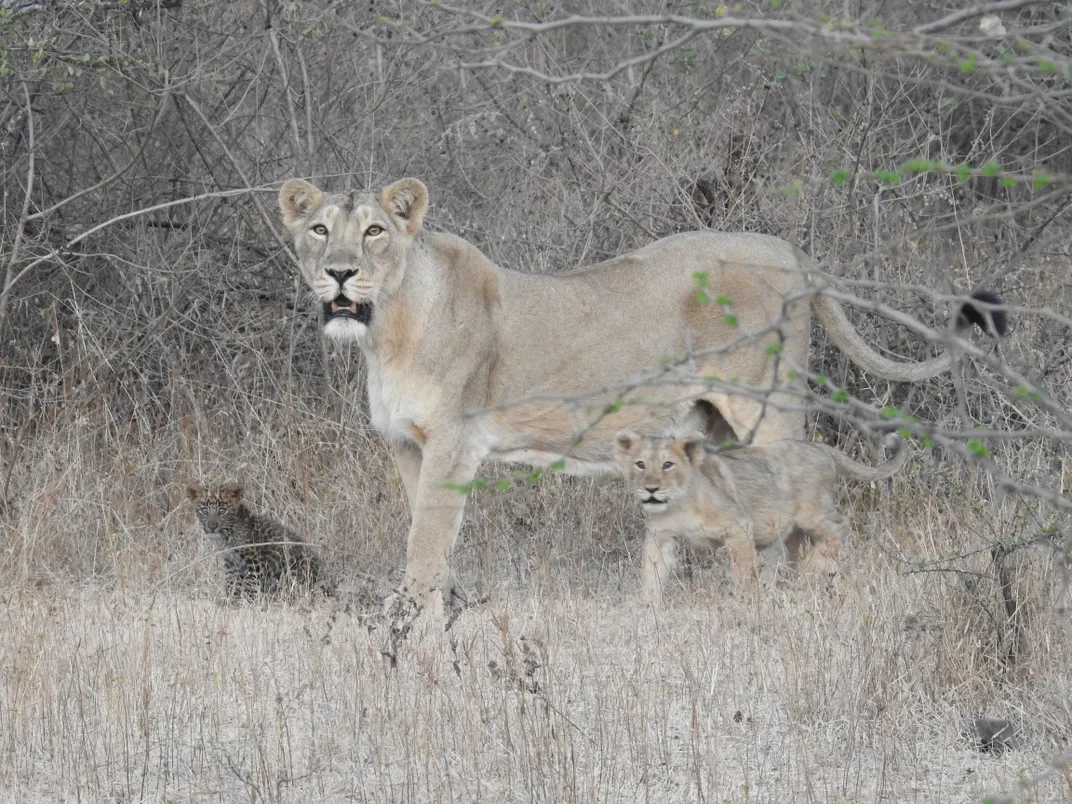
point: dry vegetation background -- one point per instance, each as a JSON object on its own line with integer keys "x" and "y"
{"x": 153, "y": 329}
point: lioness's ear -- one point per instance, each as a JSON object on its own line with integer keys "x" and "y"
{"x": 298, "y": 199}
{"x": 693, "y": 447}
{"x": 624, "y": 440}
{"x": 406, "y": 199}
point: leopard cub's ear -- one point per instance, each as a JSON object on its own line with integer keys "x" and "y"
{"x": 231, "y": 492}
{"x": 195, "y": 493}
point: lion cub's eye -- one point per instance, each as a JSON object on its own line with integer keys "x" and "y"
{"x": 668, "y": 465}
{"x": 640, "y": 464}
{"x": 321, "y": 230}
{"x": 373, "y": 230}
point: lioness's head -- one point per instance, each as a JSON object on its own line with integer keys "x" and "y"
{"x": 352, "y": 247}
{"x": 657, "y": 468}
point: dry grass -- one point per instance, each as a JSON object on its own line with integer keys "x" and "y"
{"x": 121, "y": 695}
{"x": 123, "y": 678}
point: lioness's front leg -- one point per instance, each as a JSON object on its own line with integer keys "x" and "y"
{"x": 437, "y": 516}
{"x": 408, "y": 461}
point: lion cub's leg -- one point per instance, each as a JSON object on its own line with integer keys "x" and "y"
{"x": 659, "y": 557}
{"x": 797, "y": 543}
{"x": 739, "y": 537}
{"x": 825, "y": 524}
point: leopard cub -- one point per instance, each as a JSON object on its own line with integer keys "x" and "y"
{"x": 261, "y": 557}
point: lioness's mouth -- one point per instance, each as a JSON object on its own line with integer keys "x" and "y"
{"x": 342, "y": 307}
{"x": 652, "y": 501}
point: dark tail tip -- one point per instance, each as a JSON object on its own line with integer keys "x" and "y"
{"x": 992, "y": 322}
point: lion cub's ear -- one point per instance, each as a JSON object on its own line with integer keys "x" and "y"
{"x": 406, "y": 199}
{"x": 693, "y": 447}
{"x": 625, "y": 440}
{"x": 298, "y": 199}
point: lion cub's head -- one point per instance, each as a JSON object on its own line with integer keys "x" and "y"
{"x": 352, "y": 247}
{"x": 657, "y": 468}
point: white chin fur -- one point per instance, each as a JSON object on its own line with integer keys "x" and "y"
{"x": 345, "y": 329}
{"x": 654, "y": 508}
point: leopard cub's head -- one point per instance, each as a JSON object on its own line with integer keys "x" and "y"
{"x": 217, "y": 505}
{"x": 657, "y": 468}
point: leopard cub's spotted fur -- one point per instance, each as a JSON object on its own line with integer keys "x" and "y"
{"x": 261, "y": 557}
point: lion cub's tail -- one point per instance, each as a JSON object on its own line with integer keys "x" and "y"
{"x": 858, "y": 471}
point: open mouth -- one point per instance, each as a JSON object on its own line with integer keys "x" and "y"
{"x": 342, "y": 307}
{"x": 652, "y": 501}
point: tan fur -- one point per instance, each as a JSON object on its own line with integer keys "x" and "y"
{"x": 747, "y": 498}
{"x": 483, "y": 360}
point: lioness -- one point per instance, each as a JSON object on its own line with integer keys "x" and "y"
{"x": 744, "y": 497}
{"x": 451, "y": 340}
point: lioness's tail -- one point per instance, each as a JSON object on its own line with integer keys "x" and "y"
{"x": 858, "y": 471}
{"x": 848, "y": 340}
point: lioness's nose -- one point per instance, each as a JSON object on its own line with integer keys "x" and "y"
{"x": 651, "y": 489}
{"x": 341, "y": 276}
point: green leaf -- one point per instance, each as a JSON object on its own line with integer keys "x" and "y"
{"x": 1008, "y": 181}
{"x": 991, "y": 168}
{"x": 968, "y": 64}
{"x": 702, "y": 297}
{"x": 820, "y": 379}
{"x": 1047, "y": 66}
{"x": 920, "y": 165}
{"x": 904, "y": 433}
{"x": 963, "y": 172}
{"x": 558, "y": 465}
{"x": 978, "y": 447}
{"x": 729, "y": 320}
{"x": 840, "y": 395}
{"x": 502, "y": 483}
{"x": 700, "y": 278}
{"x": 841, "y": 176}
{"x": 890, "y": 412}
{"x": 723, "y": 301}
{"x": 496, "y": 20}
{"x": 887, "y": 176}
{"x": 1039, "y": 179}
{"x": 775, "y": 348}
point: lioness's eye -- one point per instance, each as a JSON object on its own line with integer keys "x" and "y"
{"x": 321, "y": 230}
{"x": 668, "y": 465}
{"x": 373, "y": 230}
{"x": 640, "y": 464}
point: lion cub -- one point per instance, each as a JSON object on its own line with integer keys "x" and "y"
{"x": 745, "y": 497}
